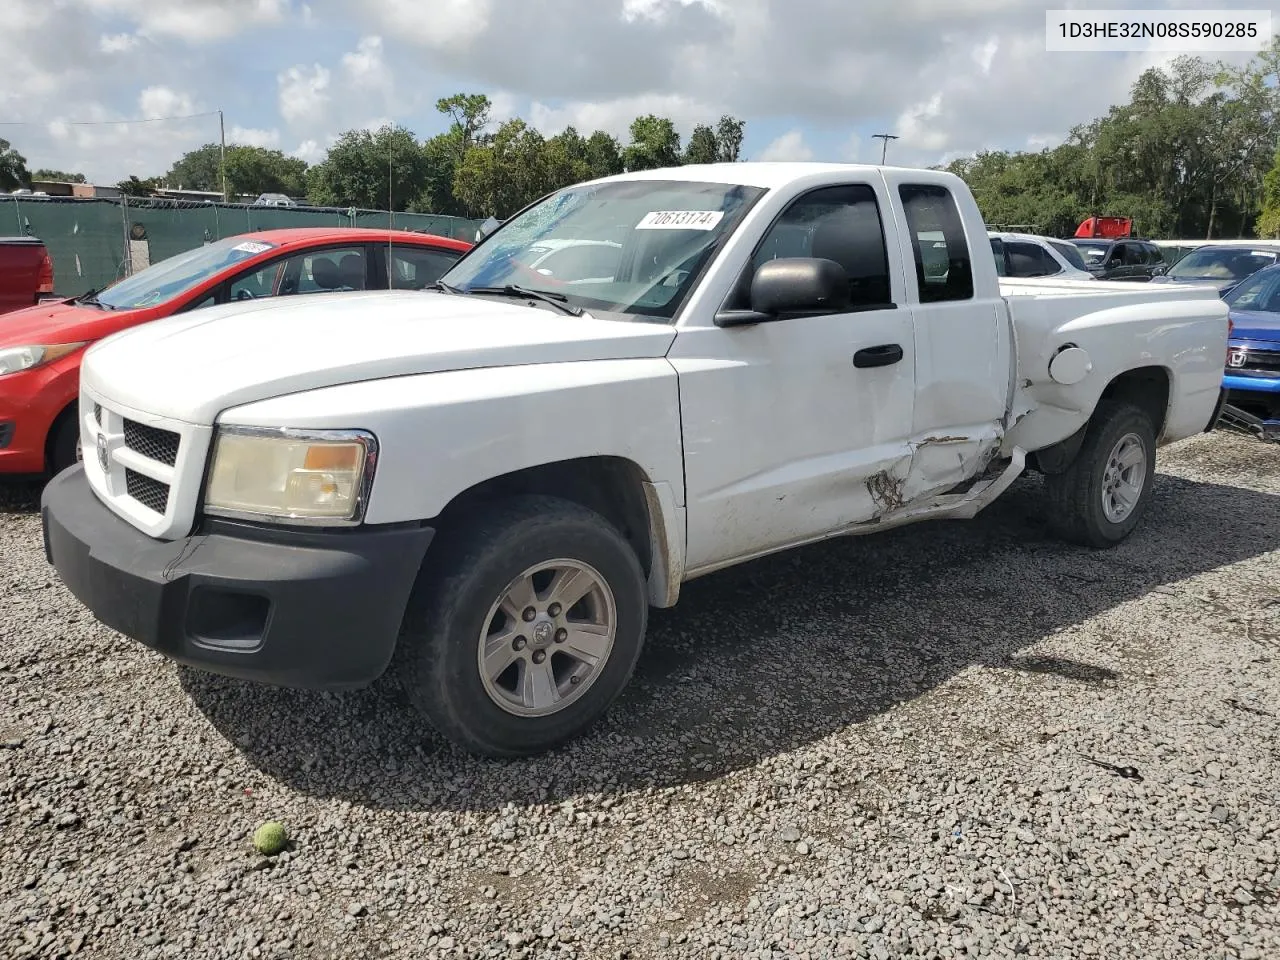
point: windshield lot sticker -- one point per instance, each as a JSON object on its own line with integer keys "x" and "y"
{"x": 252, "y": 246}
{"x": 680, "y": 220}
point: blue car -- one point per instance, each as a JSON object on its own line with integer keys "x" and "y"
{"x": 1223, "y": 265}
{"x": 1252, "y": 378}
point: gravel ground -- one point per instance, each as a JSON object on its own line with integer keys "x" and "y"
{"x": 952, "y": 740}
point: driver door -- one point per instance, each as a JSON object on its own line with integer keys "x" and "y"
{"x": 797, "y": 428}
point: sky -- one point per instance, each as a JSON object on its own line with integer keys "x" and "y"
{"x": 813, "y": 79}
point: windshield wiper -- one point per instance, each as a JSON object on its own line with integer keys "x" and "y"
{"x": 446, "y": 288}
{"x": 557, "y": 300}
{"x": 92, "y": 298}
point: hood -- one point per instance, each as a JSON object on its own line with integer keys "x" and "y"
{"x": 57, "y": 321}
{"x": 1222, "y": 284}
{"x": 193, "y": 366}
{"x": 1255, "y": 325}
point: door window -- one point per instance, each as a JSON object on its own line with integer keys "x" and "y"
{"x": 414, "y": 268}
{"x": 1030, "y": 260}
{"x": 833, "y": 223}
{"x": 315, "y": 271}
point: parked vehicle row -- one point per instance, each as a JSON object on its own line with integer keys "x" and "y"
{"x": 497, "y": 478}
{"x": 41, "y": 347}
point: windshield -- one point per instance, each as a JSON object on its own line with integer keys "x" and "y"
{"x": 1219, "y": 263}
{"x": 1093, "y": 253}
{"x": 167, "y": 279}
{"x": 1256, "y": 293}
{"x": 1070, "y": 253}
{"x": 632, "y": 247}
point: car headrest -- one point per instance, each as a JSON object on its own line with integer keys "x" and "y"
{"x": 325, "y": 273}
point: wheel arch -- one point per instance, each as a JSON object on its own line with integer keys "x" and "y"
{"x": 642, "y": 510}
{"x": 69, "y": 412}
{"x": 1147, "y": 388}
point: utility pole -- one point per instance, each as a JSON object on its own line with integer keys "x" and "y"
{"x": 222, "y": 132}
{"x": 884, "y": 139}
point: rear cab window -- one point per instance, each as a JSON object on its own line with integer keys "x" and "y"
{"x": 944, "y": 271}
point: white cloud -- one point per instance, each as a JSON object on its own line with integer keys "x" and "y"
{"x": 164, "y": 102}
{"x": 117, "y": 42}
{"x": 917, "y": 125}
{"x": 309, "y": 151}
{"x": 615, "y": 116}
{"x": 789, "y": 146}
{"x": 942, "y": 76}
{"x": 442, "y": 24}
{"x": 303, "y": 94}
{"x": 503, "y": 106}
{"x": 251, "y": 137}
{"x": 364, "y": 67}
{"x": 658, "y": 10}
{"x": 195, "y": 21}
{"x": 985, "y": 54}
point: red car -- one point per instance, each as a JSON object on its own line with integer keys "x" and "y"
{"x": 41, "y": 346}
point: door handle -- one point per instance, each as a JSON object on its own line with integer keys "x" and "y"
{"x": 881, "y": 356}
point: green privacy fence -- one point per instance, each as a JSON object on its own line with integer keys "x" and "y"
{"x": 88, "y": 239}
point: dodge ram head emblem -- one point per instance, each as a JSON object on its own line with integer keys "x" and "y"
{"x": 1237, "y": 356}
{"x": 102, "y": 452}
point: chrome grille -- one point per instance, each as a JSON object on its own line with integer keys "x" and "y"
{"x": 1262, "y": 361}
{"x": 151, "y": 442}
{"x": 151, "y": 493}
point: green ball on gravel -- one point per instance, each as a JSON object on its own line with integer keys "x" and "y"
{"x": 270, "y": 838}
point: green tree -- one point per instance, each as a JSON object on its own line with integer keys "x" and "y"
{"x": 654, "y": 143}
{"x": 469, "y": 113}
{"x": 509, "y": 171}
{"x": 729, "y": 132}
{"x": 13, "y": 167}
{"x": 1268, "y": 224}
{"x": 57, "y": 176}
{"x": 255, "y": 170}
{"x": 136, "y": 187}
{"x": 198, "y": 169}
{"x": 604, "y": 155}
{"x": 354, "y": 173}
{"x": 702, "y": 146}
{"x": 250, "y": 171}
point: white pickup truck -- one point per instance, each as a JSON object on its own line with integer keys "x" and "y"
{"x": 631, "y": 383}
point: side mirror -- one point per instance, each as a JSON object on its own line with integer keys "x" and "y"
{"x": 792, "y": 287}
{"x": 1160, "y": 271}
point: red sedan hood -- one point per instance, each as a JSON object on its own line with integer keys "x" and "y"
{"x": 60, "y": 322}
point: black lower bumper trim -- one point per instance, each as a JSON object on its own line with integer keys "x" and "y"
{"x": 319, "y": 610}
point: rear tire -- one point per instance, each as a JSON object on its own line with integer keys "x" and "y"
{"x": 64, "y": 451}
{"x": 1101, "y": 496}
{"x": 491, "y": 659}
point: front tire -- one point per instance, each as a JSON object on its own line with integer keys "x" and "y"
{"x": 1099, "y": 499}
{"x": 526, "y": 624}
{"x": 64, "y": 451}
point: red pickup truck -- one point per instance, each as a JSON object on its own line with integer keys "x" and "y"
{"x": 26, "y": 272}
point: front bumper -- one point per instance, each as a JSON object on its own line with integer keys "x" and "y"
{"x": 317, "y": 610}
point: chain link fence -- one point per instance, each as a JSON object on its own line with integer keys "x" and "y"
{"x": 94, "y": 242}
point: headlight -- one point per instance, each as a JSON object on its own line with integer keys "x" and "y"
{"x": 306, "y": 476}
{"x": 13, "y": 359}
